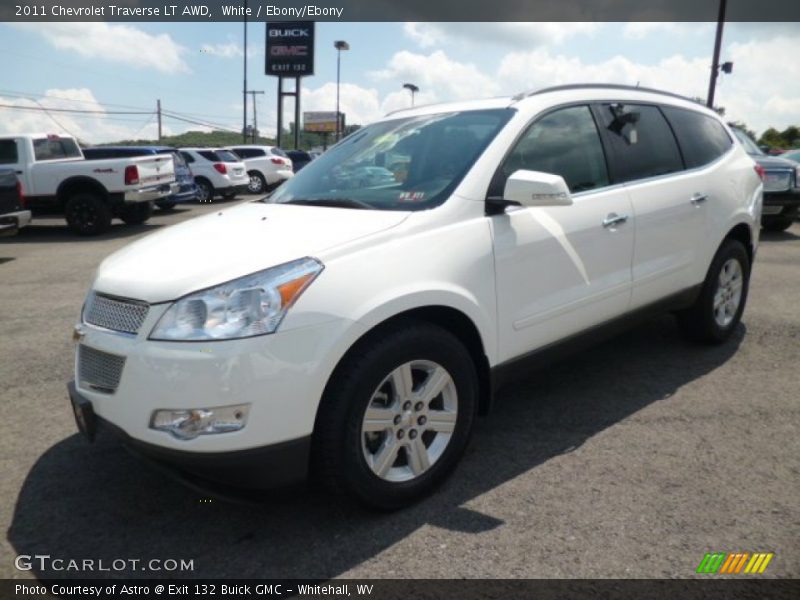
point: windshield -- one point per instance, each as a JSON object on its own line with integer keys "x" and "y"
{"x": 411, "y": 163}
{"x": 748, "y": 143}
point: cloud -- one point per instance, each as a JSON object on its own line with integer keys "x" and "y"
{"x": 438, "y": 76}
{"x": 642, "y": 29}
{"x": 92, "y": 128}
{"x": 229, "y": 50}
{"x": 514, "y": 35}
{"x": 124, "y": 44}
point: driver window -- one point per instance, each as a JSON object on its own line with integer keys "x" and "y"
{"x": 564, "y": 142}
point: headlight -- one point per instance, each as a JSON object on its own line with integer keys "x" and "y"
{"x": 245, "y": 307}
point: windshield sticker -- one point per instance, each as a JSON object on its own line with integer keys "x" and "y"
{"x": 411, "y": 196}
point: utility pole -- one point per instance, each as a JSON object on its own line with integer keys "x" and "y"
{"x": 255, "y": 118}
{"x": 712, "y": 84}
{"x": 158, "y": 111}
{"x": 244, "y": 85}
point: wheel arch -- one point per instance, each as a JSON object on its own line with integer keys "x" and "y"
{"x": 453, "y": 320}
{"x": 78, "y": 184}
{"x": 742, "y": 232}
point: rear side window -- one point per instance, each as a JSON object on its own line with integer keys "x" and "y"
{"x": 642, "y": 143}
{"x": 187, "y": 157}
{"x": 8, "y": 152}
{"x": 564, "y": 142}
{"x": 702, "y": 139}
{"x": 209, "y": 155}
{"x": 53, "y": 148}
{"x": 249, "y": 152}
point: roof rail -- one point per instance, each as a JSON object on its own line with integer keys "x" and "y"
{"x": 578, "y": 86}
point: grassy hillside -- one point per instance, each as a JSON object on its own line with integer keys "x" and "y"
{"x": 194, "y": 138}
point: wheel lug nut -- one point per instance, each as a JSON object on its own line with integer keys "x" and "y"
{"x": 412, "y": 434}
{"x": 422, "y": 420}
{"x": 419, "y": 406}
{"x": 400, "y": 434}
{"x": 397, "y": 420}
{"x": 407, "y": 406}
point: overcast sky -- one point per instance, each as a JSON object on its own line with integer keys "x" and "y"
{"x": 196, "y": 68}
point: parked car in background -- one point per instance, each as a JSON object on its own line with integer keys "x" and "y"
{"x": 300, "y": 158}
{"x": 13, "y": 213}
{"x": 355, "y": 333}
{"x": 217, "y": 172}
{"x": 781, "y": 185}
{"x": 187, "y": 188}
{"x": 57, "y": 179}
{"x": 267, "y": 166}
{"x": 793, "y": 155}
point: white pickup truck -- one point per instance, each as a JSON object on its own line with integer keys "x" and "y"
{"x": 57, "y": 179}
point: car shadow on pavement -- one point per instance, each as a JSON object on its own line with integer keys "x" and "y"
{"x": 99, "y": 502}
{"x": 778, "y": 236}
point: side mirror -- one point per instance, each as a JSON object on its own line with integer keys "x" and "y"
{"x": 534, "y": 188}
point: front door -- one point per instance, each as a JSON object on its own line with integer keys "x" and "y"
{"x": 560, "y": 270}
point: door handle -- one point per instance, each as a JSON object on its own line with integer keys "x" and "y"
{"x": 614, "y": 219}
{"x": 698, "y": 199}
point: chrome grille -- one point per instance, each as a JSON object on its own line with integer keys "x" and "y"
{"x": 118, "y": 315}
{"x": 99, "y": 370}
{"x": 777, "y": 181}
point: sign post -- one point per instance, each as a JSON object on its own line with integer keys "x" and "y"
{"x": 290, "y": 54}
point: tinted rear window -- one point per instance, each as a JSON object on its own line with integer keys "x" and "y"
{"x": 702, "y": 139}
{"x": 8, "y": 152}
{"x": 642, "y": 143}
{"x": 249, "y": 152}
{"x": 218, "y": 155}
{"x": 187, "y": 157}
{"x": 55, "y": 148}
{"x": 278, "y": 152}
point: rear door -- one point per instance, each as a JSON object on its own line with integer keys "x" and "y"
{"x": 12, "y": 156}
{"x": 669, "y": 206}
{"x": 561, "y": 269}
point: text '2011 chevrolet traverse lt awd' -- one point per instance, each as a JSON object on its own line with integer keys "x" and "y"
{"x": 352, "y": 325}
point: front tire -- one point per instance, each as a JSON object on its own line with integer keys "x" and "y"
{"x": 718, "y": 309}
{"x": 136, "y": 214}
{"x": 396, "y": 416}
{"x": 87, "y": 214}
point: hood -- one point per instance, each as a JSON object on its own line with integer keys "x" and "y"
{"x": 230, "y": 243}
{"x": 774, "y": 162}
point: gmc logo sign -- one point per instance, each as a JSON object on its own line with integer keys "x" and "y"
{"x": 288, "y": 51}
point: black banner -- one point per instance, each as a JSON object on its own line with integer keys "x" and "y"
{"x": 462, "y": 589}
{"x": 290, "y": 49}
{"x": 784, "y": 11}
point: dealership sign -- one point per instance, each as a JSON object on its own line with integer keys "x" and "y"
{"x": 321, "y": 122}
{"x": 290, "y": 49}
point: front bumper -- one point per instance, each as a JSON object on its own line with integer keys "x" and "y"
{"x": 10, "y": 223}
{"x": 149, "y": 194}
{"x": 266, "y": 467}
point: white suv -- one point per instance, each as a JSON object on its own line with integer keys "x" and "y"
{"x": 353, "y": 327}
{"x": 267, "y": 166}
{"x": 217, "y": 172}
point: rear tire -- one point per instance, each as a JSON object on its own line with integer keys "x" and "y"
{"x": 257, "y": 183}
{"x": 136, "y": 214}
{"x": 87, "y": 214}
{"x": 718, "y": 309}
{"x": 205, "y": 191}
{"x": 776, "y": 223}
{"x": 165, "y": 204}
{"x": 425, "y": 429}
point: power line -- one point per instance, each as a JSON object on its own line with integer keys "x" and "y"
{"x": 194, "y": 122}
{"x": 74, "y": 110}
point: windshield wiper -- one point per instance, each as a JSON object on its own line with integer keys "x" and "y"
{"x": 331, "y": 202}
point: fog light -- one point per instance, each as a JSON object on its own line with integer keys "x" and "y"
{"x": 188, "y": 424}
